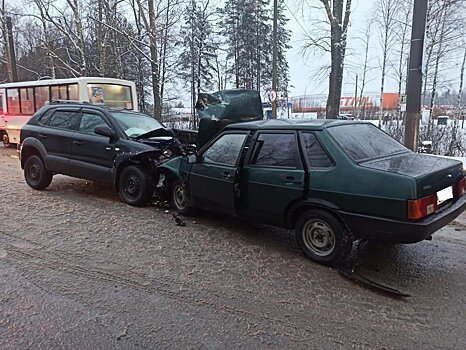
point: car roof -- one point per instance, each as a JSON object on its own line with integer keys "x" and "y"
{"x": 291, "y": 124}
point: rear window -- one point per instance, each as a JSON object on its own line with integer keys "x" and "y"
{"x": 365, "y": 141}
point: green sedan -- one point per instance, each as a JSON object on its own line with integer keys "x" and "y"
{"x": 332, "y": 181}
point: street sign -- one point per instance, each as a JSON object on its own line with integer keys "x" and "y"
{"x": 272, "y": 95}
{"x": 403, "y": 102}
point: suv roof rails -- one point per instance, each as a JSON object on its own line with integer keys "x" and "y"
{"x": 56, "y": 102}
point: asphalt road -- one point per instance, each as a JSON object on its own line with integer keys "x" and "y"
{"x": 81, "y": 270}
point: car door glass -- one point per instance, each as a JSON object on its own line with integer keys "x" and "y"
{"x": 314, "y": 151}
{"x": 63, "y": 119}
{"x": 277, "y": 150}
{"x": 45, "y": 118}
{"x": 225, "y": 150}
{"x": 91, "y": 121}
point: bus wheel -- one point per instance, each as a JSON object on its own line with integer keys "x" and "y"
{"x": 6, "y": 140}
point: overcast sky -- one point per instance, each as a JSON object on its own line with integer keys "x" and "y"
{"x": 303, "y": 68}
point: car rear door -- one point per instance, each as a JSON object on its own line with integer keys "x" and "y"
{"x": 212, "y": 180}
{"x": 273, "y": 176}
{"x": 91, "y": 154}
{"x": 56, "y": 134}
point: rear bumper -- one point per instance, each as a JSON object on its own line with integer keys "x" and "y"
{"x": 402, "y": 231}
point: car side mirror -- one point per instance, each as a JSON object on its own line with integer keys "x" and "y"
{"x": 105, "y": 131}
{"x": 193, "y": 158}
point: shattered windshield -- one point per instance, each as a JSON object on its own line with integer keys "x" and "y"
{"x": 365, "y": 141}
{"x": 135, "y": 124}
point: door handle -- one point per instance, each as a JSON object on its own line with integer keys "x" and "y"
{"x": 42, "y": 136}
{"x": 290, "y": 179}
{"x": 225, "y": 175}
{"x": 77, "y": 142}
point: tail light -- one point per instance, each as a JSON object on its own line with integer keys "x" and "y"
{"x": 419, "y": 208}
{"x": 460, "y": 188}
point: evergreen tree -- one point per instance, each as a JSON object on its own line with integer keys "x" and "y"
{"x": 197, "y": 61}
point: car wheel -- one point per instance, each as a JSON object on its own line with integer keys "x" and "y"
{"x": 35, "y": 173}
{"x": 6, "y": 140}
{"x": 178, "y": 198}
{"x": 135, "y": 186}
{"x": 322, "y": 237}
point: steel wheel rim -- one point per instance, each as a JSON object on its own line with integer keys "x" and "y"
{"x": 319, "y": 237}
{"x": 35, "y": 171}
{"x": 178, "y": 196}
{"x": 132, "y": 185}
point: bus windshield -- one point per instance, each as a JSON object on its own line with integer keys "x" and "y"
{"x": 111, "y": 95}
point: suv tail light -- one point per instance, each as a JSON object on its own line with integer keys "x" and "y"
{"x": 460, "y": 188}
{"x": 422, "y": 207}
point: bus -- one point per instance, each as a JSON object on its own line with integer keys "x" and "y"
{"x": 19, "y": 101}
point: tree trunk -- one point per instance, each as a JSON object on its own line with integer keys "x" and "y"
{"x": 154, "y": 61}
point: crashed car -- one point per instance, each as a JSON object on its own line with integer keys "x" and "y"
{"x": 98, "y": 144}
{"x": 332, "y": 181}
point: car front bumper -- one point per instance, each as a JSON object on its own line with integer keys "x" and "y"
{"x": 402, "y": 231}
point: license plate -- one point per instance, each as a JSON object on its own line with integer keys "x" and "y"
{"x": 444, "y": 195}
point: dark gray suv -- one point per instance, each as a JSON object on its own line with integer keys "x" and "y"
{"x": 97, "y": 144}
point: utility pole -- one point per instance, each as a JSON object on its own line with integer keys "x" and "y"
{"x": 414, "y": 85}
{"x": 12, "y": 70}
{"x": 274, "y": 61}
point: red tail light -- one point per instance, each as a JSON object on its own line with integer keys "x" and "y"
{"x": 460, "y": 188}
{"x": 422, "y": 207}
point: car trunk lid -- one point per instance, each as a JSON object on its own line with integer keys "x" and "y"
{"x": 431, "y": 173}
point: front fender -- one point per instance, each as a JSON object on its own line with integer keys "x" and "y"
{"x": 147, "y": 160}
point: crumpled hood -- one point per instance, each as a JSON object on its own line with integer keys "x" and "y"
{"x": 155, "y": 133}
{"x": 237, "y": 105}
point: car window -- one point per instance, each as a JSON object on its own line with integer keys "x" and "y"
{"x": 45, "y": 118}
{"x": 277, "y": 150}
{"x": 365, "y": 141}
{"x": 225, "y": 150}
{"x": 63, "y": 119}
{"x": 314, "y": 151}
{"x": 90, "y": 121}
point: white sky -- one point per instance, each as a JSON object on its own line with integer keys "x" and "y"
{"x": 303, "y": 68}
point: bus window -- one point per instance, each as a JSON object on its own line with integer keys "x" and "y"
{"x": 73, "y": 92}
{"x": 112, "y": 95}
{"x": 12, "y": 101}
{"x": 1, "y": 104}
{"x": 63, "y": 91}
{"x": 42, "y": 96}
{"x": 55, "y": 93}
{"x": 27, "y": 101}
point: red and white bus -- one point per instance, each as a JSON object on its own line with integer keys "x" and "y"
{"x": 19, "y": 101}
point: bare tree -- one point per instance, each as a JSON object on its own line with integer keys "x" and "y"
{"x": 338, "y": 14}
{"x": 386, "y": 14}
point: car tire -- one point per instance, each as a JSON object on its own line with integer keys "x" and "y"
{"x": 322, "y": 237}
{"x": 6, "y": 140}
{"x": 35, "y": 173}
{"x": 135, "y": 186}
{"x": 178, "y": 198}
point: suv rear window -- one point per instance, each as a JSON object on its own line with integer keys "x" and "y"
{"x": 365, "y": 141}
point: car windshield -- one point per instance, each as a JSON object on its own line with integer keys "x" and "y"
{"x": 365, "y": 141}
{"x": 135, "y": 124}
